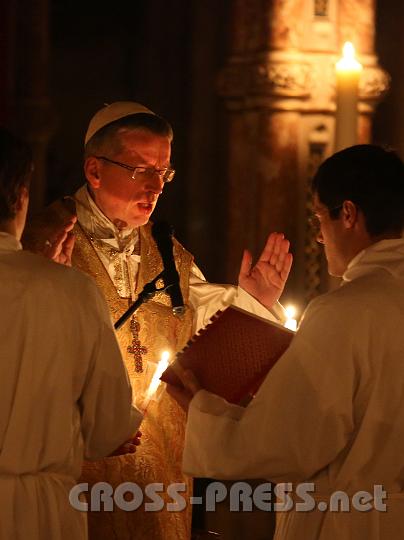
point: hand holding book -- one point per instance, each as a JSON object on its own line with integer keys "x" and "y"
{"x": 190, "y": 386}
{"x": 232, "y": 355}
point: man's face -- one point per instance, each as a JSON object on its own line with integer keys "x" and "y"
{"x": 125, "y": 201}
{"x": 332, "y": 234}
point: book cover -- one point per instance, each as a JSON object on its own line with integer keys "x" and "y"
{"x": 232, "y": 355}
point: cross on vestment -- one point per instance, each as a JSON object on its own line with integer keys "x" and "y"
{"x": 137, "y": 349}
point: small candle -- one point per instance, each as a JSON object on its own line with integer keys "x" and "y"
{"x": 291, "y": 322}
{"x": 155, "y": 382}
{"x": 348, "y": 71}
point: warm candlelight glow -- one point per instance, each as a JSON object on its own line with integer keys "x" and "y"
{"x": 155, "y": 382}
{"x": 291, "y": 322}
{"x": 348, "y": 71}
{"x": 348, "y": 60}
{"x": 290, "y": 311}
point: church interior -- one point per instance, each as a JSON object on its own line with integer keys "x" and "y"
{"x": 249, "y": 87}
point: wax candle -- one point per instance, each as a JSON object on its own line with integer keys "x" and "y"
{"x": 348, "y": 71}
{"x": 155, "y": 382}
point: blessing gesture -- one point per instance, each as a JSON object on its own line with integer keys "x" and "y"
{"x": 266, "y": 280}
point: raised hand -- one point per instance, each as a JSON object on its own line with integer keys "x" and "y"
{"x": 59, "y": 248}
{"x": 266, "y": 280}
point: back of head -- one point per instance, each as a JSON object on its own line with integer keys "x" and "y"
{"x": 107, "y": 123}
{"x": 369, "y": 176}
{"x": 15, "y": 172}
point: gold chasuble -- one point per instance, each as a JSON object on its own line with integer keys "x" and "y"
{"x": 159, "y": 457}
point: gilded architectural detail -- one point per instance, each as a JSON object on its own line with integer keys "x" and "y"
{"x": 289, "y": 79}
{"x": 374, "y": 83}
{"x": 307, "y": 78}
{"x": 284, "y": 79}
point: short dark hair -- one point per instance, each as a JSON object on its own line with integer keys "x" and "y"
{"x": 106, "y": 139}
{"x": 15, "y": 172}
{"x": 370, "y": 176}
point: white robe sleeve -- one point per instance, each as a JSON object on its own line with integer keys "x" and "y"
{"x": 299, "y": 421}
{"x": 206, "y": 298}
{"x": 108, "y": 417}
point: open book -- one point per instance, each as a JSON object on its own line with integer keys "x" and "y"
{"x": 232, "y": 355}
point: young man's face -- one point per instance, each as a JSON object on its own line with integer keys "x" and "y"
{"x": 332, "y": 234}
{"x": 125, "y": 201}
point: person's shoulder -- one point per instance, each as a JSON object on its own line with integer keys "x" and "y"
{"x": 42, "y": 269}
{"x": 343, "y": 294}
{"x": 54, "y": 286}
{"x": 348, "y": 300}
{"x": 366, "y": 288}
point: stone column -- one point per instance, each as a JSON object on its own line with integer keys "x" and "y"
{"x": 279, "y": 90}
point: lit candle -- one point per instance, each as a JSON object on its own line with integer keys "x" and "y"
{"x": 348, "y": 71}
{"x": 155, "y": 382}
{"x": 291, "y": 322}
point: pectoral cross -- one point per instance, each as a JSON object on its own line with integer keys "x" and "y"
{"x": 137, "y": 349}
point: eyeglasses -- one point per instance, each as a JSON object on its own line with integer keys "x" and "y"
{"x": 314, "y": 220}
{"x": 146, "y": 173}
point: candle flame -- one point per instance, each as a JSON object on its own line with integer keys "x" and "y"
{"x": 290, "y": 311}
{"x": 161, "y": 367}
{"x": 348, "y": 60}
{"x": 291, "y": 322}
{"x": 348, "y": 51}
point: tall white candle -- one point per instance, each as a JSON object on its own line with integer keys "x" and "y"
{"x": 348, "y": 71}
{"x": 155, "y": 382}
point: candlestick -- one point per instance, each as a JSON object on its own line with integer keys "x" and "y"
{"x": 348, "y": 71}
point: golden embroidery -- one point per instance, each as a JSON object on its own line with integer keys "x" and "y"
{"x": 119, "y": 259}
{"x": 136, "y": 348}
{"x": 118, "y": 275}
{"x": 125, "y": 283}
